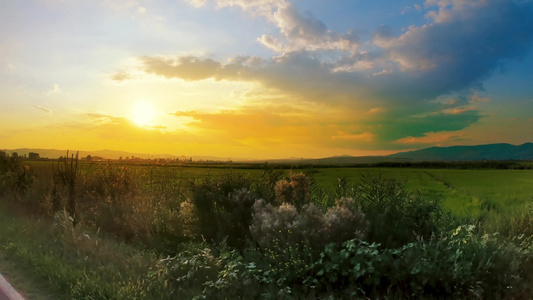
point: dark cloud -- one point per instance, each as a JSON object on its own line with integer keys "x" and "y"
{"x": 465, "y": 44}
{"x": 397, "y": 127}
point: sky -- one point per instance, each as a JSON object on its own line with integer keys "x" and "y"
{"x": 265, "y": 78}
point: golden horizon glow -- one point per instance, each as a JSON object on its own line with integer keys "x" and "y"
{"x": 143, "y": 113}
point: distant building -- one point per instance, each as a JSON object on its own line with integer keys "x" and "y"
{"x": 33, "y": 156}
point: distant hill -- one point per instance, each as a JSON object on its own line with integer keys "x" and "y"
{"x": 453, "y": 153}
{"x": 470, "y": 153}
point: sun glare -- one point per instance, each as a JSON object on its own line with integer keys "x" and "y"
{"x": 143, "y": 113}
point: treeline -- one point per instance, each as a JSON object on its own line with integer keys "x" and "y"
{"x": 465, "y": 165}
{"x": 462, "y": 165}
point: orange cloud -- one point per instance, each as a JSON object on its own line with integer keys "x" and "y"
{"x": 437, "y": 138}
{"x": 362, "y": 137}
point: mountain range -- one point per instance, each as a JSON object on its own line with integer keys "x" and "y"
{"x": 453, "y": 153}
{"x": 471, "y": 153}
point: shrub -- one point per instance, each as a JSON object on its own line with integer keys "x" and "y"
{"x": 397, "y": 216}
{"x": 111, "y": 201}
{"x": 460, "y": 265}
{"x": 188, "y": 271}
{"x": 223, "y": 208}
{"x": 295, "y": 190}
{"x": 285, "y": 225}
{"x": 14, "y": 175}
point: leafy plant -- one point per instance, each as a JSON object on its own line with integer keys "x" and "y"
{"x": 15, "y": 177}
{"x": 396, "y": 215}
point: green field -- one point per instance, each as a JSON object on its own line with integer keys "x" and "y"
{"x": 463, "y": 192}
{"x": 466, "y": 193}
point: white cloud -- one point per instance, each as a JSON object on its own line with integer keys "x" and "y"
{"x": 197, "y": 3}
{"x": 297, "y": 31}
{"x": 270, "y": 42}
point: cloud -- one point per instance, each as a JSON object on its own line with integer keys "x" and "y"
{"x": 412, "y": 75}
{"x": 186, "y": 67}
{"x": 475, "y": 98}
{"x": 197, "y": 3}
{"x": 432, "y": 138}
{"x": 392, "y": 128}
{"x": 263, "y": 8}
{"x": 361, "y": 137}
{"x": 467, "y": 42}
{"x": 463, "y": 45}
{"x": 297, "y": 31}
{"x": 121, "y": 76}
{"x": 110, "y": 127}
{"x": 278, "y": 126}
{"x": 46, "y": 110}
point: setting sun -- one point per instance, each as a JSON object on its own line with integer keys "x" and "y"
{"x": 143, "y": 113}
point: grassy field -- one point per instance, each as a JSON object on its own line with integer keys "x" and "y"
{"x": 466, "y": 193}
{"x": 471, "y": 194}
{"x": 149, "y": 231}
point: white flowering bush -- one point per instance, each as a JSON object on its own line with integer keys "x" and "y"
{"x": 310, "y": 225}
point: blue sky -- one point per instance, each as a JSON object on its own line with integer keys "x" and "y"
{"x": 265, "y": 78}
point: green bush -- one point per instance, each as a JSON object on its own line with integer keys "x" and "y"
{"x": 460, "y": 265}
{"x": 396, "y": 215}
{"x": 223, "y": 208}
{"x": 15, "y": 177}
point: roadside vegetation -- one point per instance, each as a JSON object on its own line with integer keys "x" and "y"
{"x": 109, "y": 231}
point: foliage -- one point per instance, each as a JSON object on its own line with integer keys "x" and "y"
{"x": 294, "y": 190}
{"x": 15, "y": 177}
{"x": 229, "y": 236}
{"x": 287, "y": 226}
{"x": 223, "y": 207}
{"x": 461, "y": 264}
{"x": 396, "y": 215}
{"x": 66, "y": 175}
{"x": 76, "y": 263}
